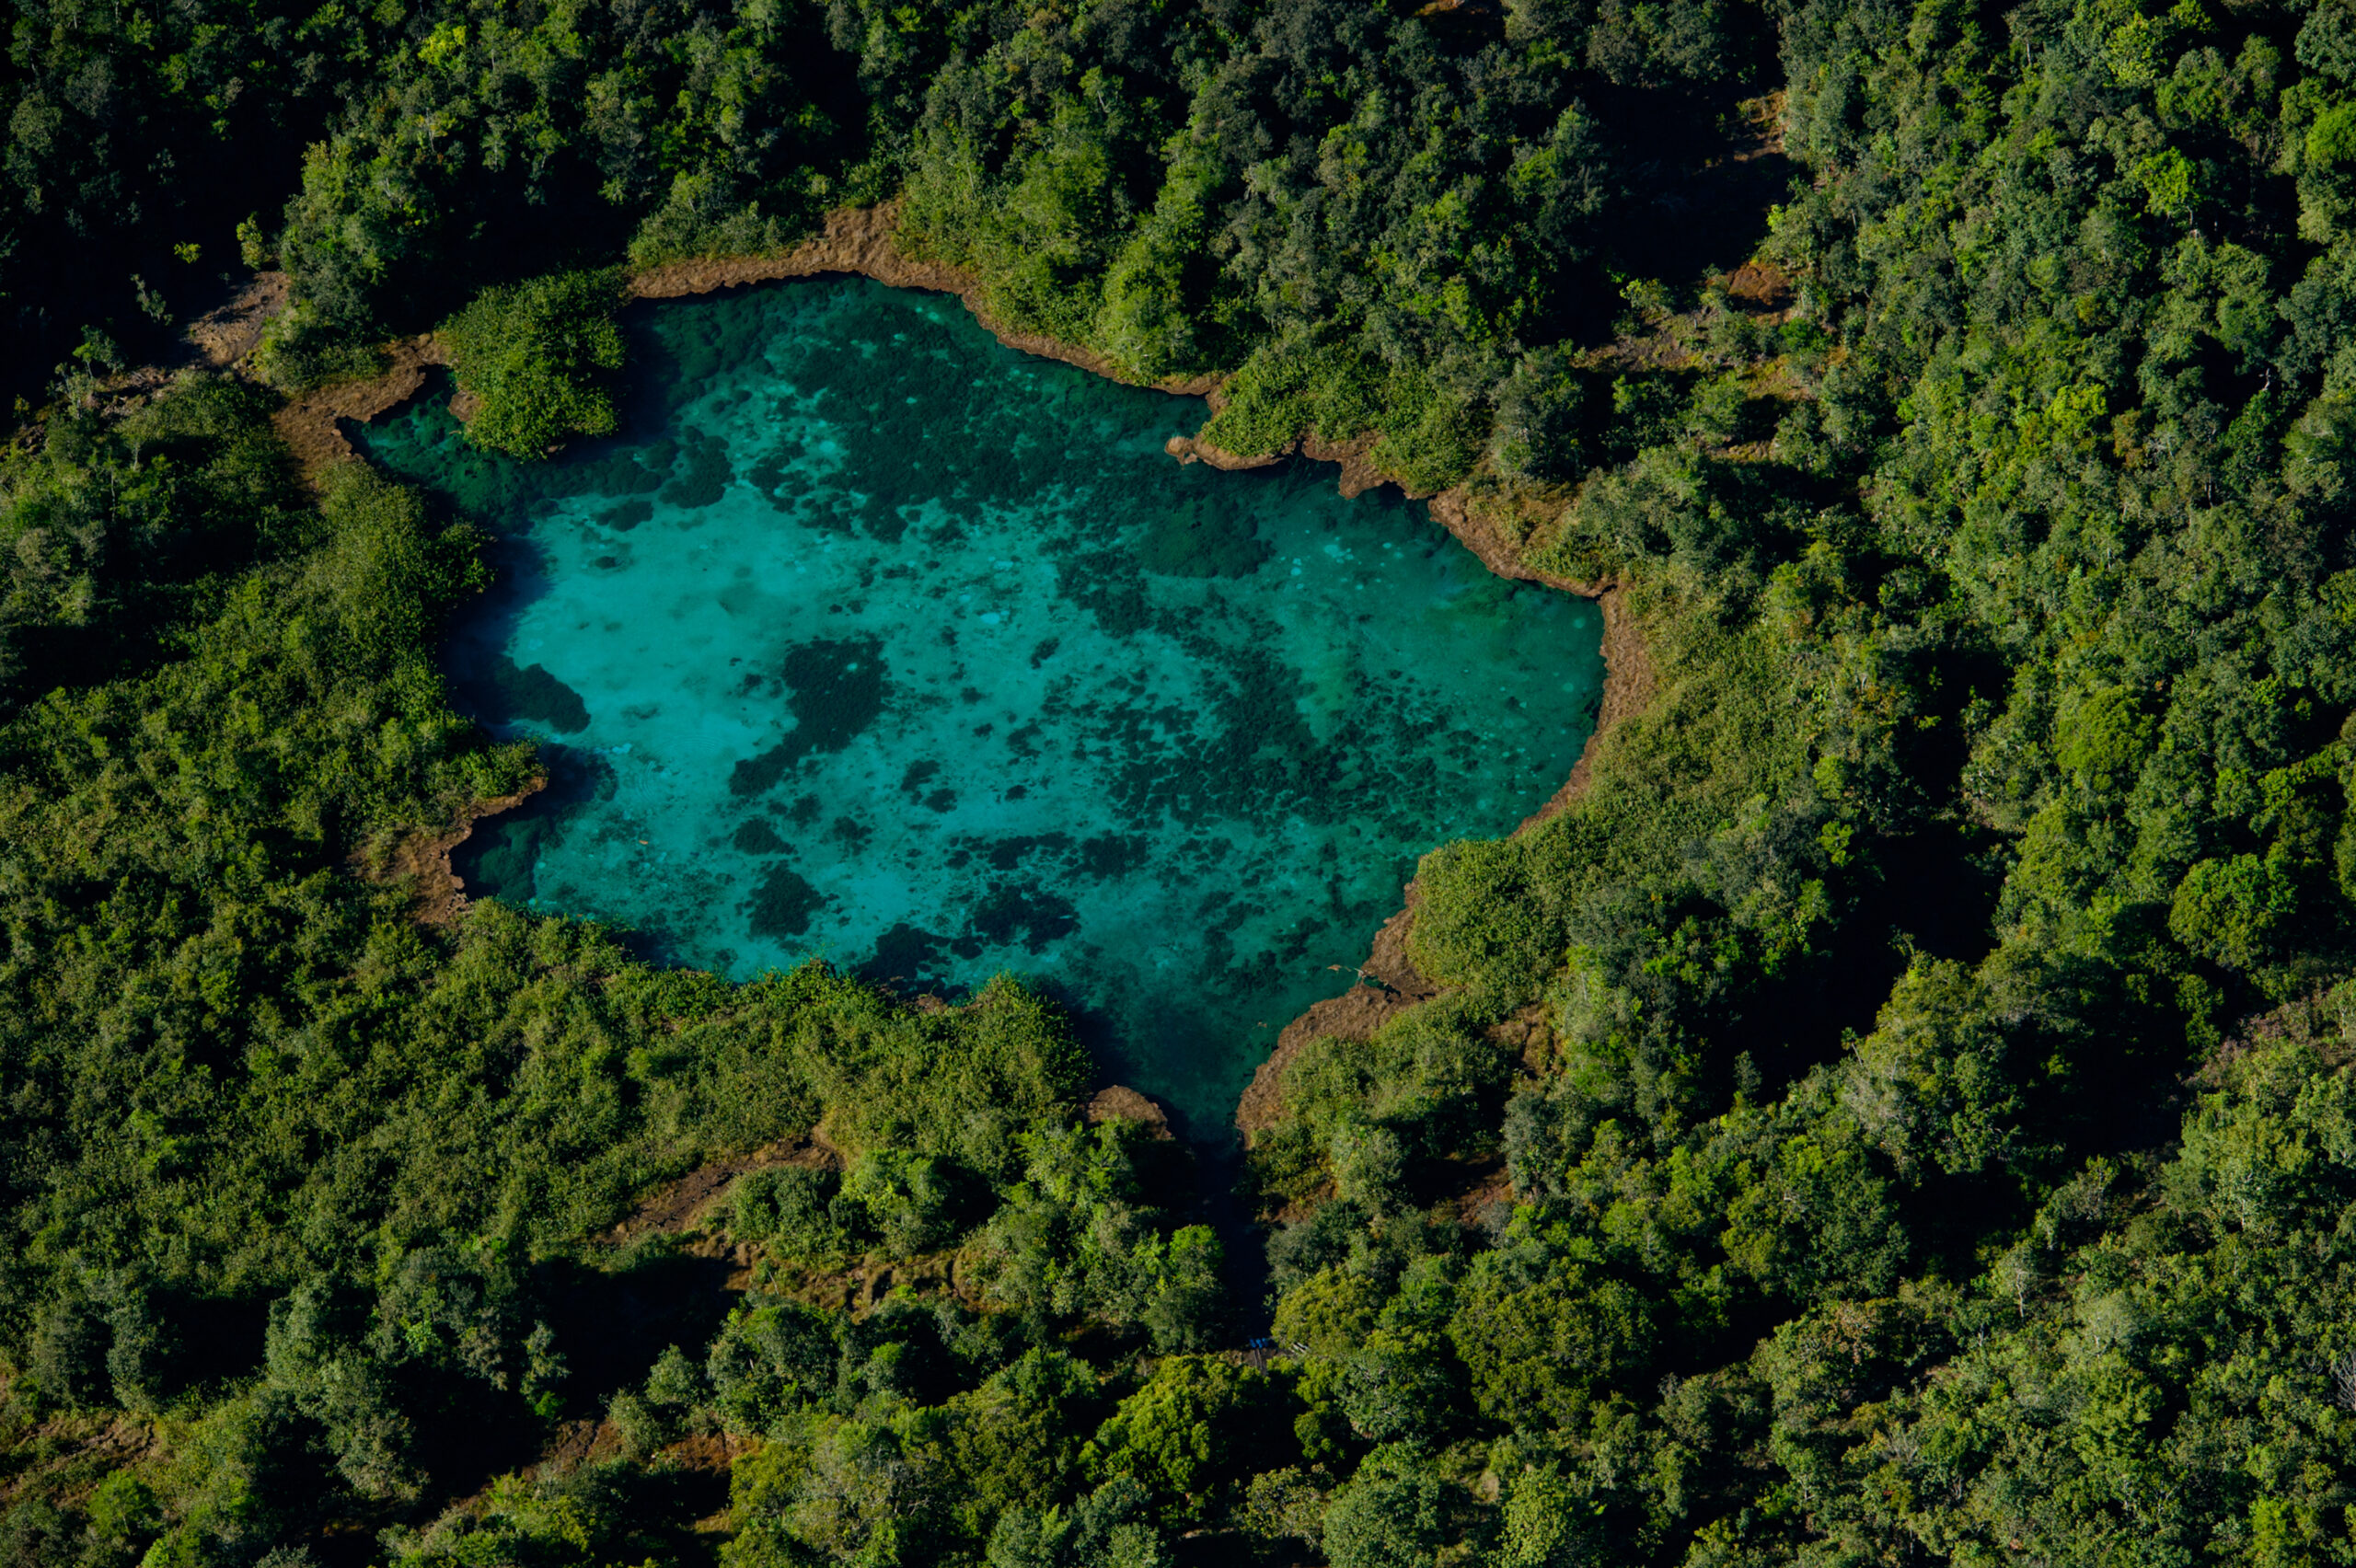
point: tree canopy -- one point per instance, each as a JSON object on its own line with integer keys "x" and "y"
{"x": 1900, "y": 1111}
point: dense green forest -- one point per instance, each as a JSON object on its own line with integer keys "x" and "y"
{"x": 1938, "y": 1143}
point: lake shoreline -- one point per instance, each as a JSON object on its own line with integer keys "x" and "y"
{"x": 863, "y": 241}
{"x": 1388, "y": 983}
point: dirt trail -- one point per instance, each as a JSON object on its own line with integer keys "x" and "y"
{"x": 231, "y": 330}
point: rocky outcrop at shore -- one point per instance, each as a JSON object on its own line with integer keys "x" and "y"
{"x": 1359, "y": 474}
{"x": 1119, "y": 1103}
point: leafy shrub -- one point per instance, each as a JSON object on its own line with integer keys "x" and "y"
{"x": 702, "y": 218}
{"x": 1110, "y": 1525}
{"x": 1270, "y": 401}
{"x": 1431, "y": 438}
{"x": 1542, "y": 417}
{"x": 538, "y": 357}
{"x": 769, "y": 1360}
{"x": 1392, "y": 1514}
{"x": 294, "y": 356}
{"x": 1193, "y": 1434}
{"x": 913, "y": 1203}
{"x": 789, "y": 1207}
{"x": 2229, "y": 911}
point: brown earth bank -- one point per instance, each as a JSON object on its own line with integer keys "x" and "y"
{"x": 312, "y": 424}
{"x": 857, "y": 241}
{"x": 423, "y": 859}
{"x": 1629, "y": 682}
{"x": 1628, "y": 686}
{"x": 1388, "y": 985}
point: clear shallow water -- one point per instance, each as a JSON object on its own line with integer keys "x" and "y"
{"x": 878, "y": 640}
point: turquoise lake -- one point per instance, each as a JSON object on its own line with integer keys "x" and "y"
{"x": 875, "y": 640}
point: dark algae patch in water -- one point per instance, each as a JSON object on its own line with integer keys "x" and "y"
{"x": 879, "y": 640}
{"x": 835, "y": 690}
{"x": 505, "y": 693}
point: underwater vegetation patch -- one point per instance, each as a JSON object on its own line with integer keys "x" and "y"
{"x": 707, "y": 475}
{"x": 1013, "y": 916}
{"x": 508, "y": 693}
{"x": 783, "y": 904}
{"x": 1203, "y": 535}
{"x": 835, "y": 689}
{"x": 758, "y": 837}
